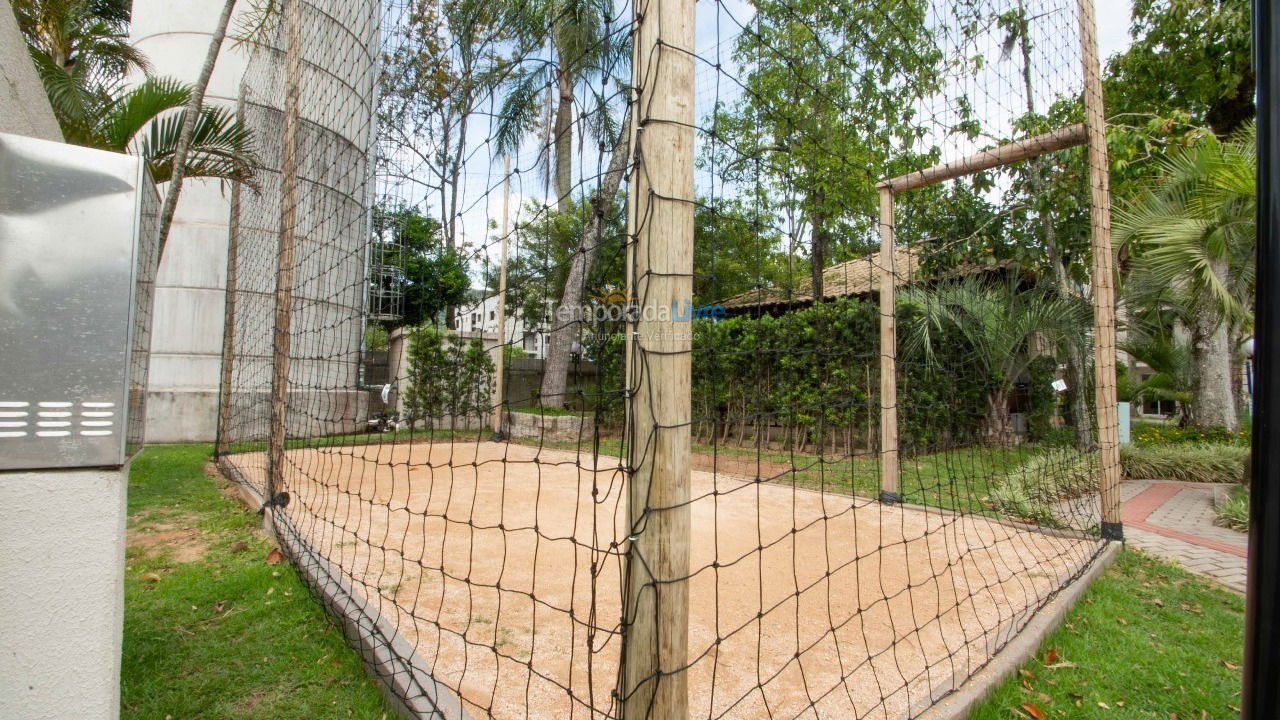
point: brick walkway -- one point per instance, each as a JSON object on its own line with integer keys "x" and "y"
{"x": 1174, "y": 520}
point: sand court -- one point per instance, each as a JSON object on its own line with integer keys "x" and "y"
{"x": 501, "y": 566}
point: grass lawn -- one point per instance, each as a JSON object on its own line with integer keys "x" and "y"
{"x": 211, "y": 630}
{"x": 1146, "y": 641}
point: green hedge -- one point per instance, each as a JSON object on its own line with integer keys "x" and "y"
{"x": 813, "y": 375}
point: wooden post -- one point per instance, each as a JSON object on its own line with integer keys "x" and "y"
{"x": 1104, "y": 299}
{"x": 499, "y": 362}
{"x": 888, "y": 353}
{"x": 653, "y": 679}
{"x": 229, "y": 309}
{"x": 288, "y": 228}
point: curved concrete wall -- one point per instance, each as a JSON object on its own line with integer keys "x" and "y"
{"x": 186, "y": 339}
{"x": 340, "y": 42}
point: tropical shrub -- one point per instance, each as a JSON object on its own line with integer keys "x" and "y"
{"x": 1032, "y": 489}
{"x": 1233, "y": 510}
{"x": 1187, "y": 463}
{"x": 446, "y": 379}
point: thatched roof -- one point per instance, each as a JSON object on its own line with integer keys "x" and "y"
{"x": 852, "y": 278}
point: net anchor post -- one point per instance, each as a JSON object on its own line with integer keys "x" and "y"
{"x": 889, "y": 470}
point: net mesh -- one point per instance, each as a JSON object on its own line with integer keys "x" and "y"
{"x": 741, "y": 358}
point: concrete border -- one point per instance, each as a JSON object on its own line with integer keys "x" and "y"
{"x": 1021, "y": 647}
{"x": 396, "y": 666}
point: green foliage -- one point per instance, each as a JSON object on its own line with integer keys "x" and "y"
{"x": 543, "y": 248}
{"x": 376, "y": 339}
{"x": 1188, "y": 463}
{"x": 814, "y": 155}
{"x": 1031, "y": 491}
{"x": 1187, "y": 55}
{"x": 736, "y": 248}
{"x": 1233, "y": 510}
{"x": 999, "y": 324}
{"x": 82, "y": 53}
{"x": 1042, "y": 400}
{"x": 446, "y": 380}
{"x": 431, "y": 276}
{"x": 1155, "y": 434}
{"x": 797, "y": 371}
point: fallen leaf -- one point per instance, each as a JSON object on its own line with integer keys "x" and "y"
{"x": 238, "y": 546}
{"x": 1061, "y": 665}
{"x": 1034, "y": 711}
{"x": 1229, "y": 666}
{"x": 1050, "y": 656}
{"x": 275, "y": 556}
{"x": 1158, "y": 602}
{"x": 219, "y": 607}
{"x": 151, "y": 578}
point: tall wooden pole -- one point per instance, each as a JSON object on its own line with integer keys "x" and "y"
{"x": 288, "y": 229}
{"x": 653, "y": 680}
{"x": 502, "y": 299}
{"x": 229, "y": 309}
{"x": 1103, "y": 281}
{"x": 889, "y": 492}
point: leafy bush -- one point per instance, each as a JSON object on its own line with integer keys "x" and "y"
{"x": 1152, "y": 434}
{"x": 1233, "y": 512}
{"x": 445, "y": 378}
{"x": 1187, "y": 463}
{"x": 1032, "y": 489}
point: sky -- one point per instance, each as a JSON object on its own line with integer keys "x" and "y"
{"x": 715, "y": 29}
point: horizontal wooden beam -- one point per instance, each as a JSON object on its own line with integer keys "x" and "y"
{"x": 1013, "y": 152}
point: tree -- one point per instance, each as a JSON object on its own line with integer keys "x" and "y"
{"x": 82, "y": 54}
{"x": 1192, "y": 233}
{"x": 431, "y": 276}
{"x": 444, "y": 59}
{"x": 999, "y": 323}
{"x": 582, "y": 47}
{"x": 736, "y": 248}
{"x": 828, "y": 105}
{"x": 1187, "y": 55}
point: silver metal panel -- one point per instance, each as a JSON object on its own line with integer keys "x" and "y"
{"x": 75, "y": 292}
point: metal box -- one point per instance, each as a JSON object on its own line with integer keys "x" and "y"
{"x": 78, "y": 256}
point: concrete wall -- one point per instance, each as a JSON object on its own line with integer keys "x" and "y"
{"x": 62, "y": 532}
{"x": 62, "y": 536}
{"x": 186, "y": 340}
{"x": 19, "y": 86}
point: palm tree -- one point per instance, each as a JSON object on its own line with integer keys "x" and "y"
{"x": 140, "y": 122}
{"x": 582, "y": 46}
{"x": 1002, "y": 325}
{"x": 82, "y": 53}
{"x": 1191, "y": 232}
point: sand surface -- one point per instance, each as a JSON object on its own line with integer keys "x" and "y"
{"x": 501, "y": 564}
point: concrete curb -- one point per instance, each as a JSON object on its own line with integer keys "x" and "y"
{"x": 1021, "y": 647}
{"x": 409, "y": 689}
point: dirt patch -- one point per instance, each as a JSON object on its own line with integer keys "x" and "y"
{"x": 176, "y": 538}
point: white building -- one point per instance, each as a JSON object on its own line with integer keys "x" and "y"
{"x": 482, "y": 318}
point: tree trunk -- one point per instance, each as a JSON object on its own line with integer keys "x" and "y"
{"x": 564, "y": 141}
{"x": 818, "y": 253}
{"x": 1211, "y": 354}
{"x": 195, "y": 105}
{"x": 567, "y": 319}
{"x": 998, "y": 426}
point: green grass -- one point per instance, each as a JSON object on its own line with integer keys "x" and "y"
{"x": 211, "y": 630}
{"x": 1234, "y": 511}
{"x": 1147, "y": 640}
